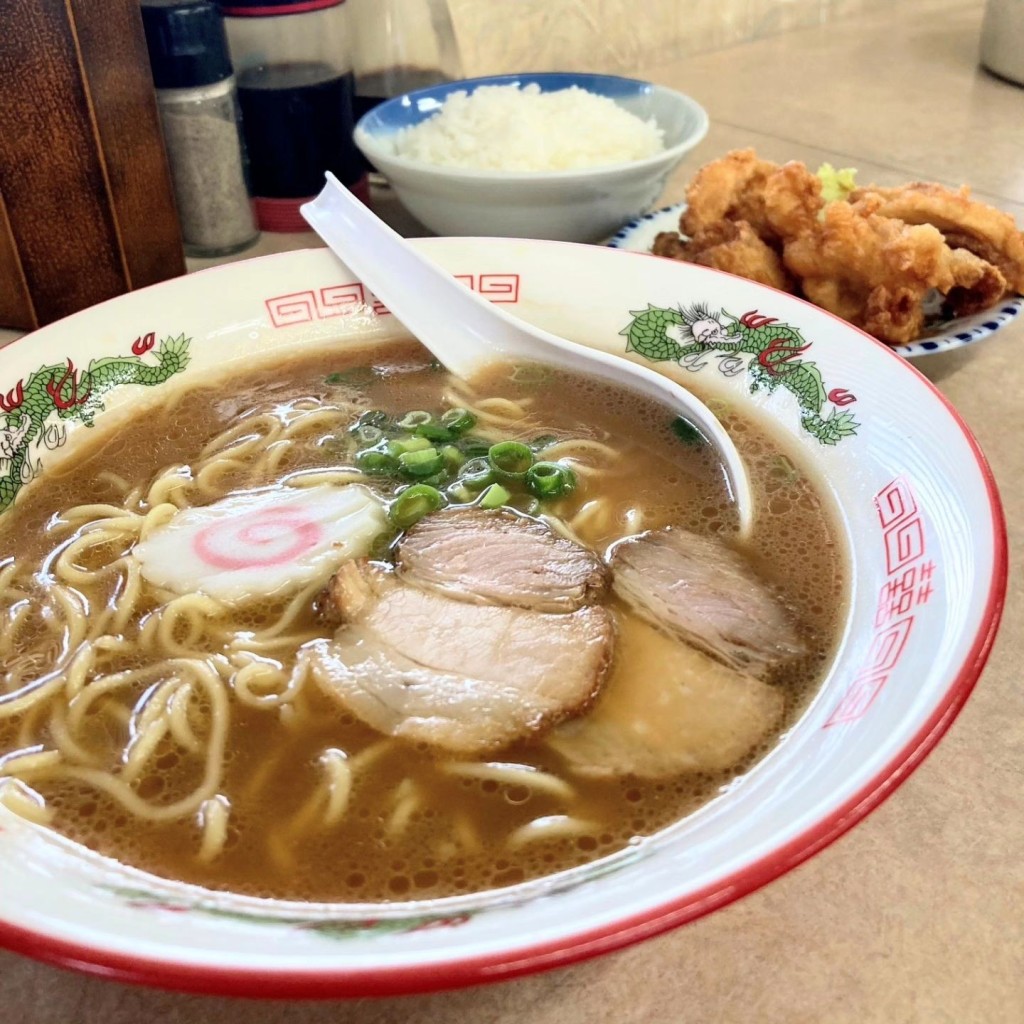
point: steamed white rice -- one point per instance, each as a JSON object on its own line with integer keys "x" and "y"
{"x": 505, "y": 128}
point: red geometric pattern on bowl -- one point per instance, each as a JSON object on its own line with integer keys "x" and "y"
{"x": 910, "y": 583}
{"x": 342, "y": 299}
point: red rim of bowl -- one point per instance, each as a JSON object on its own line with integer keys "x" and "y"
{"x": 468, "y": 971}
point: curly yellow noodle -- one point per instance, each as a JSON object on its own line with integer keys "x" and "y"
{"x": 260, "y": 685}
{"x": 633, "y": 519}
{"x": 120, "y": 790}
{"x": 157, "y": 516}
{"x": 110, "y": 644}
{"x": 21, "y": 799}
{"x": 288, "y": 642}
{"x": 276, "y": 454}
{"x": 65, "y": 741}
{"x": 128, "y": 600}
{"x": 323, "y": 808}
{"x": 593, "y": 516}
{"x": 367, "y": 756}
{"x": 8, "y": 569}
{"x": 184, "y": 620}
{"x": 178, "y": 719}
{"x": 328, "y": 418}
{"x": 251, "y": 432}
{"x": 581, "y": 446}
{"x": 108, "y": 476}
{"x": 74, "y": 613}
{"x": 149, "y": 726}
{"x": 94, "y": 512}
{"x": 511, "y": 774}
{"x": 29, "y": 762}
{"x": 78, "y": 670}
{"x": 67, "y": 570}
{"x": 407, "y": 799}
{"x": 16, "y": 615}
{"x": 133, "y": 499}
{"x": 210, "y": 479}
{"x": 554, "y": 826}
{"x": 213, "y": 817}
{"x": 300, "y": 602}
{"x": 32, "y": 693}
{"x": 314, "y": 477}
{"x": 339, "y": 785}
{"x": 101, "y": 686}
{"x": 168, "y": 487}
{"x": 28, "y": 727}
{"x": 465, "y": 835}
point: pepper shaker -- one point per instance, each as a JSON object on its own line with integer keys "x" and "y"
{"x": 198, "y": 102}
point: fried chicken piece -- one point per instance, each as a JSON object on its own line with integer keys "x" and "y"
{"x": 875, "y": 271}
{"x": 978, "y": 284}
{"x": 965, "y": 223}
{"x": 732, "y": 246}
{"x": 669, "y": 244}
{"x": 792, "y": 201}
{"x": 729, "y": 189}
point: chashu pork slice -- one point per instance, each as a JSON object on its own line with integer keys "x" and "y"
{"x": 501, "y": 557}
{"x": 668, "y": 709}
{"x": 470, "y": 678}
{"x": 703, "y": 592}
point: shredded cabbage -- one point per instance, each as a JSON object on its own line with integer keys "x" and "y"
{"x": 836, "y": 185}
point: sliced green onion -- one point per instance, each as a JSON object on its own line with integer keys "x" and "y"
{"x": 416, "y": 418}
{"x": 459, "y": 492}
{"x": 357, "y": 377}
{"x": 372, "y": 418}
{"x": 531, "y": 373}
{"x": 510, "y": 458}
{"x": 453, "y": 458}
{"x": 367, "y": 435}
{"x": 687, "y": 432}
{"x": 408, "y": 444}
{"x": 424, "y": 462}
{"x": 494, "y": 497}
{"x": 538, "y": 444}
{"x": 547, "y": 480}
{"x": 458, "y": 420}
{"x": 477, "y": 474}
{"x": 376, "y": 463}
{"x": 434, "y": 432}
{"x": 474, "y": 447}
{"x": 413, "y": 504}
{"x": 380, "y": 549}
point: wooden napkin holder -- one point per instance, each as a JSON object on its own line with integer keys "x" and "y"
{"x": 86, "y": 207}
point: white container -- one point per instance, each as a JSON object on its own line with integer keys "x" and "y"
{"x": 1002, "y": 39}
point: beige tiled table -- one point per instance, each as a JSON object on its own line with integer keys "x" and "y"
{"x": 917, "y": 915}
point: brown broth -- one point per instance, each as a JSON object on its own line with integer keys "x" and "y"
{"x": 455, "y": 837}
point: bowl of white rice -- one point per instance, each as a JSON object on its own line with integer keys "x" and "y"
{"x": 560, "y": 156}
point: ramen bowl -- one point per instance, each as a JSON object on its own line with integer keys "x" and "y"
{"x": 582, "y": 205}
{"x": 915, "y": 508}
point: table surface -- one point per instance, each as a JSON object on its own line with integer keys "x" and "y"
{"x": 917, "y": 915}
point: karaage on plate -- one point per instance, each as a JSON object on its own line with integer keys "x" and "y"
{"x": 872, "y": 256}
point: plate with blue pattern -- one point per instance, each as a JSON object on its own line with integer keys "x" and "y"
{"x": 943, "y": 335}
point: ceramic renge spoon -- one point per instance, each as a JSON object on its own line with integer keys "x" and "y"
{"x": 466, "y": 332}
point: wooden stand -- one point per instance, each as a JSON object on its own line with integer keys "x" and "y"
{"x": 86, "y": 207}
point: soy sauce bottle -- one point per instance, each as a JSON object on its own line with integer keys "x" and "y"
{"x": 295, "y": 86}
{"x": 400, "y": 46}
